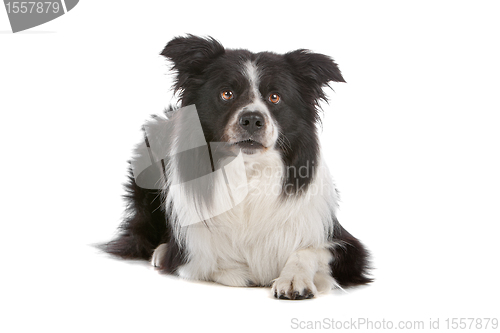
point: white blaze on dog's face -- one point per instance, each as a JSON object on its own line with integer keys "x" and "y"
{"x": 252, "y": 127}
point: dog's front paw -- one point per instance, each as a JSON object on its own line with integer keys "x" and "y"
{"x": 294, "y": 287}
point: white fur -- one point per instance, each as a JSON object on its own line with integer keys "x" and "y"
{"x": 252, "y": 74}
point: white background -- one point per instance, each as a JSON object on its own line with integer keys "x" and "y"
{"x": 412, "y": 140}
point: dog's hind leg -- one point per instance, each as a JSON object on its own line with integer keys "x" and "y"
{"x": 159, "y": 255}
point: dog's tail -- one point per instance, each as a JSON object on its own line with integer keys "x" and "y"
{"x": 350, "y": 263}
{"x": 145, "y": 225}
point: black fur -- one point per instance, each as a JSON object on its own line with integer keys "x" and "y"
{"x": 350, "y": 259}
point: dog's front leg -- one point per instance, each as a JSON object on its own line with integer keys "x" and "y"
{"x": 306, "y": 272}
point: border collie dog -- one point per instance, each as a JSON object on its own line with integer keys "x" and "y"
{"x": 230, "y": 186}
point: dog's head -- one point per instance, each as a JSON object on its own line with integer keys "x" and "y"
{"x": 256, "y": 101}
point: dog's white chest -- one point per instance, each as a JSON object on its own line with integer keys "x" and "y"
{"x": 253, "y": 241}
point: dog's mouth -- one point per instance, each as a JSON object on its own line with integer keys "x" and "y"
{"x": 249, "y": 146}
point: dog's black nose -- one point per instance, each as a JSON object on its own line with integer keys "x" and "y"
{"x": 252, "y": 121}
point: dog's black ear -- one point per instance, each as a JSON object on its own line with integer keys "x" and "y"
{"x": 314, "y": 71}
{"x": 190, "y": 55}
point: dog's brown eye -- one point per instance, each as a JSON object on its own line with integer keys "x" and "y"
{"x": 227, "y": 95}
{"x": 274, "y": 98}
